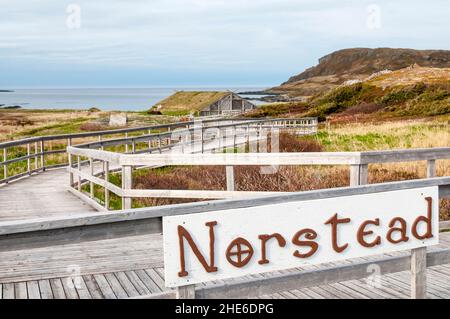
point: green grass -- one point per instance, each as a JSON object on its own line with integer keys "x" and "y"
{"x": 400, "y": 101}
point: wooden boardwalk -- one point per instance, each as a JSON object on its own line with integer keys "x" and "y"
{"x": 42, "y": 195}
{"x": 133, "y": 267}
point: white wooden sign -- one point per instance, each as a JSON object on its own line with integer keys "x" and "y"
{"x": 238, "y": 242}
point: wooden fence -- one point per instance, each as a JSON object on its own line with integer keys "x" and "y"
{"x": 31, "y": 155}
{"x": 357, "y": 161}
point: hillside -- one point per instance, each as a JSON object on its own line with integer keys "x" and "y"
{"x": 357, "y": 64}
{"x": 412, "y": 91}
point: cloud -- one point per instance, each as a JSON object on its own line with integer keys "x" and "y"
{"x": 258, "y": 36}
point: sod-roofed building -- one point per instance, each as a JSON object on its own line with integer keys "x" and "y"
{"x": 204, "y": 103}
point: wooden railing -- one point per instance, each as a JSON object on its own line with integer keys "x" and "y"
{"x": 125, "y": 163}
{"x": 25, "y": 157}
{"x": 50, "y": 232}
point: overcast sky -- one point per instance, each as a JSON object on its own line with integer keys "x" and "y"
{"x": 142, "y": 43}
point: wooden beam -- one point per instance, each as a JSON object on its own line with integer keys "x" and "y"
{"x": 186, "y": 292}
{"x": 230, "y": 178}
{"x": 431, "y": 168}
{"x": 419, "y": 273}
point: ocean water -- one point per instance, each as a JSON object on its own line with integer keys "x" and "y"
{"x": 107, "y": 99}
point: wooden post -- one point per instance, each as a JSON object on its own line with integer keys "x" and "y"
{"x": 70, "y": 167}
{"x": 28, "y": 159}
{"x": 91, "y": 172}
{"x": 5, "y": 166}
{"x": 126, "y": 143}
{"x": 248, "y": 137}
{"x": 42, "y": 155}
{"x": 431, "y": 168}
{"x": 186, "y": 292}
{"x": 69, "y": 158}
{"x": 100, "y": 141}
{"x": 36, "y": 163}
{"x": 202, "y": 140}
{"x": 149, "y": 140}
{"x": 219, "y": 142}
{"x": 127, "y": 183}
{"x": 234, "y": 139}
{"x": 419, "y": 273}
{"x": 358, "y": 174}
{"x": 133, "y": 146}
{"x": 106, "y": 188}
{"x": 169, "y": 140}
{"x": 159, "y": 144}
{"x": 79, "y": 171}
{"x": 230, "y": 178}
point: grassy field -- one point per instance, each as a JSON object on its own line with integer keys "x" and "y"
{"x": 332, "y": 136}
{"x": 336, "y": 137}
{"x": 20, "y": 123}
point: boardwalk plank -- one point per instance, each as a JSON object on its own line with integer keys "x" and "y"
{"x": 126, "y": 284}
{"x": 156, "y": 278}
{"x": 104, "y": 286}
{"x": 137, "y": 283}
{"x": 8, "y": 291}
{"x": 92, "y": 286}
{"x": 116, "y": 286}
{"x": 69, "y": 285}
{"x": 33, "y": 290}
{"x": 46, "y": 290}
{"x": 148, "y": 281}
{"x": 20, "y": 290}
{"x": 57, "y": 288}
{"x": 82, "y": 289}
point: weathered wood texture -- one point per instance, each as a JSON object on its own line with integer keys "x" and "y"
{"x": 105, "y": 274}
{"x": 37, "y": 196}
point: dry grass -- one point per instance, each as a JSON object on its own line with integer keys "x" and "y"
{"x": 386, "y": 135}
{"x": 18, "y": 123}
{"x": 302, "y": 178}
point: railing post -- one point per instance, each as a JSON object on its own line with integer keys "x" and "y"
{"x": 42, "y": 155}
{"x": 186, "y": 292}
{"x": 230, "y": 178}
{"x": 358, "y": 174}
{"x": 431, "y": 168}
{"x": 28, "y": 159}
{"x": 5, "y": 166}
{"x": 79, "y": 171}
{"x": 419, "y": 273}
{"x": 91, "y": 172}
{"x": 70, "y": 170}
{"x": 69, "y": 158}
{"x": 202, "y": 139}
{"x": 127, "y": 183}
{"x": 133, "y": 146}
{"x": 149, "y": 140}
{"x": 159, "y": 144}
{"x": 106, "y": 188}
{"x": 234, "y": 139}
{"x": 100, "y": 141}
{"x": 36, "y": 161}
{"x": 126, "y": 144}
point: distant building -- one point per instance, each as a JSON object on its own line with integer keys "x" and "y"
{"x": 204, "y": 103}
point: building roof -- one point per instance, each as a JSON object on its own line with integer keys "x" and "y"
{"x": 188, "y": 102}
